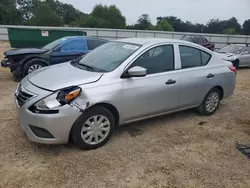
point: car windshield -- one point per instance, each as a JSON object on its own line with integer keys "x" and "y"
{"x": 235, "y": 49}
{"x": 108, "y": 56}
{"x": 54, "y": 44}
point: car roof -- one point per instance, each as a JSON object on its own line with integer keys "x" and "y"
{"x": 143, "y": 41}
{"x": 84, "y": 37}
{"x": 238, "y": 44}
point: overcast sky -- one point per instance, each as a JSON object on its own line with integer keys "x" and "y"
{"x": 196, "y": 11}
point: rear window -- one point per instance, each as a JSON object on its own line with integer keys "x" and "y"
{"x": 193, "y": 57}
{"x": 205, "y": 57}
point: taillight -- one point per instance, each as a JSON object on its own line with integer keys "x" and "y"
{"x": 232, "y": 68}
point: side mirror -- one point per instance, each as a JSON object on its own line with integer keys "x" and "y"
{"x": 136, "y": 71}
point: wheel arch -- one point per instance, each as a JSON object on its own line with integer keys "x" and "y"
{"x": 29, "y": 58}
{"x": 221, "y": 91}
{"x": 105, "y": 105}
{"x": 110, "y": 108}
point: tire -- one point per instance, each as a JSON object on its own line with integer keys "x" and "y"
{"x": 35, "y": 63}
{"x": 81, "y": 131}
{"x": 204, "y": 108}
{"x": 236, "y": 63}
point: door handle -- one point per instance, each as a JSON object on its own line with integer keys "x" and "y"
{"x": 210, "y": 75}
{"x": 169, "y": 82}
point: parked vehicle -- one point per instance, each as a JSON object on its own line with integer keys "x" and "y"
{"x": 120, "y": 82}
{"x": 26, "y": 60}
{"x": 199, "y": 40}
{"x": 238, "y": 54}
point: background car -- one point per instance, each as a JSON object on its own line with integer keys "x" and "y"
{"x": 199, "y": 40}
{"x": 26, "y": 60}
{"x": 238, "y": 54}
{"x": 120, "y": 82}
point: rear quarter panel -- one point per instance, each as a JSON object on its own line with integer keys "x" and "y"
{"x": 224, "y": 77}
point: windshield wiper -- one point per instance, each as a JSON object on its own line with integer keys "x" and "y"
{"x": 87, "y": 66}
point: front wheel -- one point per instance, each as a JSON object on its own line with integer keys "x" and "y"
{"x": 94, "y": 128}
{"x": 32, "y": 66}
{"x": 210, "y": 103}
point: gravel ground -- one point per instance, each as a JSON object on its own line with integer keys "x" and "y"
{"x": 178, "y": 150}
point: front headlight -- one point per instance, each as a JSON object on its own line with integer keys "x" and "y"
{"x": 231, "y": 58}
{"x": 52, "y": 103}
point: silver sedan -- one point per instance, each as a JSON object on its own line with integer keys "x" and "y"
{"x": 118, "y": 83}
{"x": 238, "y": 54}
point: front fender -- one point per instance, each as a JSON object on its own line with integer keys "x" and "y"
{"x": 28, "y": 58}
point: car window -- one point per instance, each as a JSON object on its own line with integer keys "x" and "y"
{"x": 247, "y": 50}
{"x": 205, "y": 57}
{"x": 54, "y": 44}
{"x": 157, "y": 60}
{"x": 205, "y": 39}
{"x": 187, "y": 38}
{"x": 190, "y": 57}
{"x": 94, "y": 43}
{"x": 231, "y": 48}
{"x": 74, "y": 45}
{"x": 200, "y": 39}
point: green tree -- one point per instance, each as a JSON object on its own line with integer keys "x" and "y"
{"x": 218, "y": 26}
{"x": 45, "y": 16}
{"x": 143, "y": 22}
{"x": 104, "y": 16}
{"x": 163, "y": 25}
{"x": 232, "y": 23}
{"x": 229, "y": 31}
{"x": 66, "y": 11}
{"x": 9, "y": 14}
{"x": 27, "y": 7}
{"x": 246, "y": 27}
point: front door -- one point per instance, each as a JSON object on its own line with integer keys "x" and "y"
{"x": 155, "y": 93}
{"x": 245, "y": 57}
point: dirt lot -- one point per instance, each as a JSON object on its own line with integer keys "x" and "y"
{"x": 178, "y": 150}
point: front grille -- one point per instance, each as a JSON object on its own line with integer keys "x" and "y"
{"x": 22, "y": 97}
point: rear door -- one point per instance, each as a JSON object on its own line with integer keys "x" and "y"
{"x": 69, "y": 50}
{"x": 245, "y": 57}
{"x": 195, "y": 77}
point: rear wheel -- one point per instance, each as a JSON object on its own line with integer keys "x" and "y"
{"x": 32, "y": 66}
{"x": 94, "y": 128}
{"x": 210, "y": 103}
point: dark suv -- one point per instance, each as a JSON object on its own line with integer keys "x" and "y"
{"x": 199, "y": 40}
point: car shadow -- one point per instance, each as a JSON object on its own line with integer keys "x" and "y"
{"x": 133, "y": 129}
{"x": 137, "y": 128}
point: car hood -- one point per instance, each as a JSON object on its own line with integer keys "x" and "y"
{"x": 25, "y": 51}
{"x": 62, "y": 75}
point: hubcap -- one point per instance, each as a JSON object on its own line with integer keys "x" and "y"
{"x": 212, "y": 102}
{"x": 95, "y": 129}
{"x": 34, "y": 67}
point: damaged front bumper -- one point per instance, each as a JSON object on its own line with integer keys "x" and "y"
{"x": 5, "y": 63}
